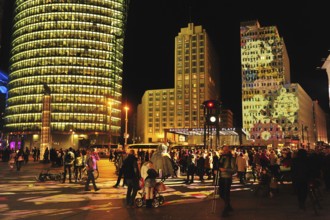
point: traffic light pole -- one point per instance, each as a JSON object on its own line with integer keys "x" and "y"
{"x": 212, "y": 122}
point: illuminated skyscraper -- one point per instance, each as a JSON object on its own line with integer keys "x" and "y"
{"x": 196, "y": 74}
{"x": 326, "y": 66}
{"x": 76, "y": 49}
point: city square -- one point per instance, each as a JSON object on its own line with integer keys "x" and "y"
{"x": 212, "y": 110}
{"x": 22, "y": 197}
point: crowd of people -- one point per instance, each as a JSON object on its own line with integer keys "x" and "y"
{"x": 73, "y": 162}
{"x": 267, "y": 166}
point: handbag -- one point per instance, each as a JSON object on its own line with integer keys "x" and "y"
{"x": 160, "y": 187}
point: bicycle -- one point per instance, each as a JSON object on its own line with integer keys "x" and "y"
{"x": 314, "y": 195}
{"x": 45, "y": 175}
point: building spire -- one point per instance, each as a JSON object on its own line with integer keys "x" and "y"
{"x": 189, "y": 8}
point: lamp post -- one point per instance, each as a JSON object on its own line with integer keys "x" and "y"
{"x": 126, "y": 123}
{"x": 110, "y": 118}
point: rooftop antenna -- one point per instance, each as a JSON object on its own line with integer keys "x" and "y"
{"x": 189, "y": 13}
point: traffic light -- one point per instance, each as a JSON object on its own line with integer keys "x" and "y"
{"x": 212, "y": 112}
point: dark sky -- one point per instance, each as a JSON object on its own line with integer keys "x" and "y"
{"x": 153, "y": 24}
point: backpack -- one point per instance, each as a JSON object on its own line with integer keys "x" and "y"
{"x": 68, "y": 158}
{"x": 90, "y": 163}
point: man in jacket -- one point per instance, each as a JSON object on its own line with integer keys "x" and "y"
{"x": 301, "y": 175}
{"x": 227, "y": 167}
{"x": 68, "y": 164}
{"x": 132, "y": 176}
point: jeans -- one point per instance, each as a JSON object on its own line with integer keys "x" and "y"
{"x": 67, "y": 168}
{"x": 132, "y": 189}
{"x": 120, "y": 174}
{"x": 224, "y": 189}
{"x": 19, "y": 165}
{"x": 77, "y": 172}
{"x": 90, "y": 177}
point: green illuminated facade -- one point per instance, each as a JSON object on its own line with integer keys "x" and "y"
{"x": 275, "y": 112}
{"x": 76, "y": 48}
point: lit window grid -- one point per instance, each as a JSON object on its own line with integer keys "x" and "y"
{"x": 37, "y": 89}
{"x": 63, "y": 70}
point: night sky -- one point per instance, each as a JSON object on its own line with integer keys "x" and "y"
{"x": 153, "y": 24}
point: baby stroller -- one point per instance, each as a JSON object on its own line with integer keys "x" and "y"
{"x": 158, "y": 198}
{"x": 45, "y": 175}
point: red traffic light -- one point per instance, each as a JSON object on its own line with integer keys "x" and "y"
{"x": 210, "y": 104}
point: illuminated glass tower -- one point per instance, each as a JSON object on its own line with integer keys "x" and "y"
{"x": 75, "y": 48}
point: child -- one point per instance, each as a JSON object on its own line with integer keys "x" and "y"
{"x": 149, "y": 184}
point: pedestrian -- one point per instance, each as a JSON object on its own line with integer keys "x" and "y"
{"x": 46, "y": 155}
{"x": 215, "y": 166}
{"x": 91, "y": 165}
{"x": 19, "y": 159}
{"x": 78, "y": 165}
{"x": 200, "y": 166}
{"x": 300, "y": 173}
{"x": 191, "y": 168}
{"x": 120, "y": 167}
{"x": 111, "y": 155}
{"x": 227, "y": 167}
{"x": 208, "y": 165}
{"x": 26, "y": 155}
{"x": 241, "y": 164}
{"x": 38, "y": 154}
{"x": 34, "y": 153}
{"x": 132, "y": 176}
{"x": 68, "y": 164}
{"x": 12, "y": 159}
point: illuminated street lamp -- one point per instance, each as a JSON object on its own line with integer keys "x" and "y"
{"x": 126, "y": 123}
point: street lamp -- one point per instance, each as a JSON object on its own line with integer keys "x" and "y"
{"x": 126, "y": 122}
{"x": 110, "y": 118}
